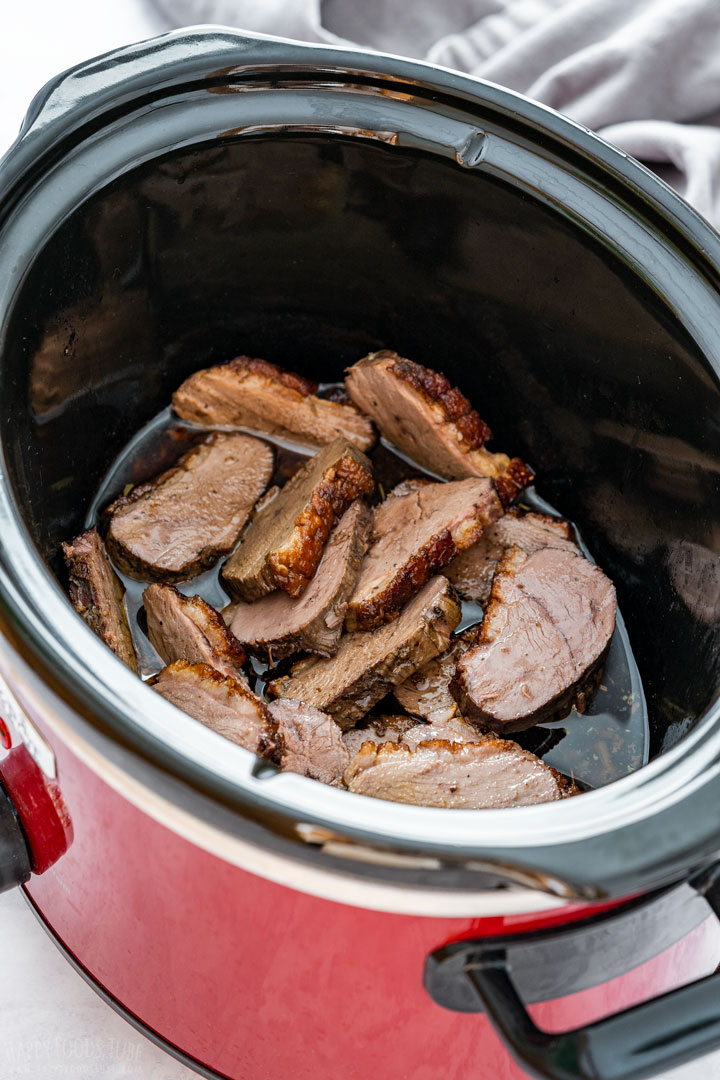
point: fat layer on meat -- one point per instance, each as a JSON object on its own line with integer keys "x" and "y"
{"x": 549, "y": 620}
{"x": 311, "y": 742}
{"x": 447, "y": 728}
{"x": 416, "y": 533}
{"x": 409, "y": 731}
{"x": 369, "y": 663}
{"x": 487, "y": 774}
{"x": 221, "y": 703}
{"x": 426, "y": 418}
{"x": 97, "y": 594}
{"x": 285, "y": 542}
{"x": 179, "y": 524}
{"x": 255, "y": 394}
{"x": 278, "y": 625}
{"x": 378, "y": 730}
{"x": 187, "y": 628}
{"x": 473, "y": 570}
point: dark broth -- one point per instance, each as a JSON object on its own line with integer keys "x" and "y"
{"x": 609, "y": 740}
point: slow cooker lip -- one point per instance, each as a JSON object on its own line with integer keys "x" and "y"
{"x": 51, "y": 112}
{"x": 96, "y": 680}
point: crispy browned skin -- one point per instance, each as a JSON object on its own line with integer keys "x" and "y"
{"x": 511, "y": 480}
{"x": 416, "y": 532}
{"x": 188, "y": 628}
{"x": 549, "y": 621}
{"x": 274, "y": 374}
{"x": 369, "y": 663}
{"x": 285, "y": 543}
{"x": 457, "y": 409}
{"x": 255, "y": 394}
{"x": 278, "y": 625}
{"x": 176, "y": 526}
{"x": 221, "y": 703}
{"x": 486, "y": 774}
{"x": 97, "y": 594}
{"x": 418, "y": 411}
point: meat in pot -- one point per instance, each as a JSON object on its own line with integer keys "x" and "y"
{"x": 277, "y": 625}
{"x": 550, "y": 618}
{"x": 369, "y": 663}
{"x": 97, "y": 594}
{"x": 252, "y": 393}
{"x": 285, "y": 543}
{"x": 416, "y": 534}
{"x": 174, "y": 527}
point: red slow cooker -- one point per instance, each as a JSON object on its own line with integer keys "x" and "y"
{"x": 208, "y": 192}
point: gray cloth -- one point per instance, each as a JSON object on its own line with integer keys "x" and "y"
{"x": 645, "y": 74}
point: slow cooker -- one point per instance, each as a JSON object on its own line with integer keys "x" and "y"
{"x": 209, "y": 192}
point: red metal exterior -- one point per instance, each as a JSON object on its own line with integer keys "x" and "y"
{"x": 259, "y": 981}
{"x": 39, "y": 806}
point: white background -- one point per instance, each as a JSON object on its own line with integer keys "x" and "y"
{"x": 52, "y": 1025}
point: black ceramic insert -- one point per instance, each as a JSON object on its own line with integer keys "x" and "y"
{"x": 310, "y": 252}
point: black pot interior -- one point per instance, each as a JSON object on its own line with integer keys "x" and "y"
{"x": 311, "y": 251}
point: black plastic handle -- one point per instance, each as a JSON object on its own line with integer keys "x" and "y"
{"x": 642, "y": 1041}
{"x": 14, "y": 852}
{"x": 501, "y": 976}
{"x": 639, "y": 1042}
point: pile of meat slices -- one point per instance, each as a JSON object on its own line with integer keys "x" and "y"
{"x": 363, "y": 593}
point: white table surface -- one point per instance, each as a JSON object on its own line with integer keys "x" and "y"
{"x": 52, "y": 1025}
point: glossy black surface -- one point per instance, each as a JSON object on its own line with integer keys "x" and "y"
{"x": 14, "y": 852}
{"x": 181, "y": 200}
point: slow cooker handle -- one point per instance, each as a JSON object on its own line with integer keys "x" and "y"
{"x": 15, "y": 860}
{"x": 638, "y": 1042}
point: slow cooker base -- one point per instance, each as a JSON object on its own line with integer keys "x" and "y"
{"x": 219, "y": 960}
{"x": 117, "y": 1006}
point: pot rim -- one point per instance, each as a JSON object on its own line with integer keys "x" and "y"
{"x": 575, "y": 841}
